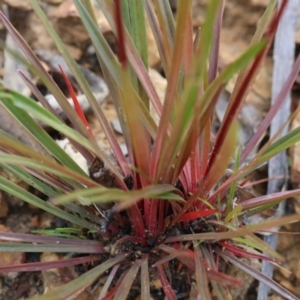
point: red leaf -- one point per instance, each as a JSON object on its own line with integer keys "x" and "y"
{"x": 75, "y": 101}
{"x": 243, "y": 253}
{"x": 196, "y": 215}
{"x": 120, "y": 31}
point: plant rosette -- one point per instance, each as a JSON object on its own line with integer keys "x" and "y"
{"x": 166, "y": 220}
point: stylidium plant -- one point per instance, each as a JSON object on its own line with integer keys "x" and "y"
{"x": 174, "y": 204}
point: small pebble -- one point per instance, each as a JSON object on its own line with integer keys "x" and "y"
{"x": 116, "y": 126}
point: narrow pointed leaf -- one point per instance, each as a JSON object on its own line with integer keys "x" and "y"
{"x": 45, "y": 140}
{"x": 259, "y": 276}
{"x": 125, "y": 286}
{"x": 83, "y": 281}
{"x": 232, "y": 234}
{"x": 201, "y": 276}
{"x": 39, "y": 266}
{"x": 15, "y": 190}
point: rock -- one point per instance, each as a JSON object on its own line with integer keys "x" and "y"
{"x": 285, "y": 273}
{"x": 153, "y": 55}
{"x": 55, "y": 2}
{"x": 297, "y": 271}
{"x": 73, "y": 153}
{"x": 295, "y": 156}
{"x": 160, "y": 84}
{"x": 67, "y": 9}
{"x": 124, "y": 149}
{"x": 70, "y": 27}
{"x": 10, "y": 258}
{"x": 238, "y": 293}
{"x": 111, "y": 114}
{"x": 51, "y": 277}
{"x": 275, "y": 297}
{"x": 289, "y": 286}
{"x": 36, "y": 34}
{"x": 260, "y": 93}
{"x": 75, "y": 52}
{"x": 12, "y": 65}
{"x": 11, "y": 200}
{"x": 55, "y": 278}
{"x": 262, "y": 3}
{"x": 19, "y": 4}
{"x": 249, "y": 117}
{"x": 173, "y": 4}
{"x": 3, "y": 206}
{"x": 236, "y": 35}
{"x": 116, "y": 126}
{"x": 298, "y": 30}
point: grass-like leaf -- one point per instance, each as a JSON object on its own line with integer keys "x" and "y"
{"x": 44, "y": 76}
{"x": 271, "y": 113}
{"x": 83, "y": 83}
{"x": 259, "y": 276}
{"x": 269, "y": 199}
{"x": 256, "y": 243}
{"x": 82, "y": 281}
{"x": 20, "y": 193}
{"x": 145, "y": 281}
{"x": 39, "y": 266}
{"x": 31, "y": 180}
{"x": 44, "y": 239}
{"x": 175, "y": 172}
{"x": 63, "y": 248}
{"x": 45, "y": 116}
{"x": 124, "y": 287}
{"x": 51, "y": 167}
{"x": 260, "y": 30}
{"x": 107, "y": 195}
{"x": 201, "y": 278}
{"x": 169, "y": 292}
{"x": 232, "y": 234}
{"x": 135, "y": 60}
{"x": 45, "y": 140}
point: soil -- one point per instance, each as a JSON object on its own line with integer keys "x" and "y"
{"x": 239, "y": 26}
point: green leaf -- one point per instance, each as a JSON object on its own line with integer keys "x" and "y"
{"x": 135, "y": 60}
{"x": 236, "y": 233}
{"x": 217, "y": 169}
{"x": 53, "y": 168}
{"x": 185, "y": 112}
{"x": 39, "y": 134}
{"x": 102, "y": 194}
{"x": 126, "y": 284}
{"x": 260, "y": 30}
{"x": 40, "y": 161}
{"x": 282, "y": 144}
{"x": 15, "y": 190}
{"x": 200, "y": 272}
{"x": 229, "y": 203}
{"x": 46, "y": 117}
{"x": 31, "y": 180}
{"x": 255, "y": 242}
{"x": 80, "y": 283}
{"x": 89, "y": 94}
{"x": 39, "y": 70}
{"x": 59, "y": 248}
